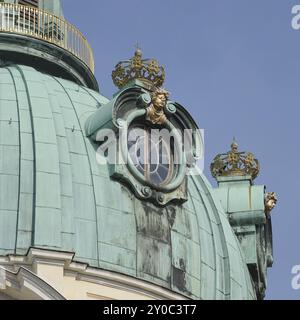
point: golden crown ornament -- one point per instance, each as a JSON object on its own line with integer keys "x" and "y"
{"x": 235, "y": 163}
{"x": 146, "y": 70}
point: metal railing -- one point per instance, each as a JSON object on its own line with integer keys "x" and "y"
{"x": 45, "y": 26}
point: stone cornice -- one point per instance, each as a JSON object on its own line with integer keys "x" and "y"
{"x": 83, "y": 272}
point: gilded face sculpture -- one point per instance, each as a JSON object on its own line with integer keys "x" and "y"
{"x": 270, "y": 201}
{"x": 271, "y": 204}
{"x": 159, "y": 100}
{"x": 155, "y": 112}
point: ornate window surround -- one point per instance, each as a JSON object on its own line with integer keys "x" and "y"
{"x": 131, "y": 106}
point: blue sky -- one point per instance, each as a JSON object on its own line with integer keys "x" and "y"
{"x": 235, "y": 65}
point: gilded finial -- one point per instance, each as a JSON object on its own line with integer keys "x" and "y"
{"x": 235, "y": 163}
{"x": 146, "y": 70}
{"x": 234, "y": 145}
{"x": 138, "y": 47}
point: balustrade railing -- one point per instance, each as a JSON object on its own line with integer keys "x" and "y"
{"x": 43, "y": 25}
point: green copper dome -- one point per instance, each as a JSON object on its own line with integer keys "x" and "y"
{"x": 166, "y": 226}
{"x": 54, "y": 195}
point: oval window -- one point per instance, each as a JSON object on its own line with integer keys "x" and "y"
{"x": 152, "y": 154}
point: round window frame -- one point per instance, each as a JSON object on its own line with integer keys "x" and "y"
{"x": 177, "y": 179}
{"x": 173, "y": 167}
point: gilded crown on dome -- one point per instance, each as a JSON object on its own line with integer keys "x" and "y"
{"x": 235, "y": 163}
{"x": 146, "y": 70}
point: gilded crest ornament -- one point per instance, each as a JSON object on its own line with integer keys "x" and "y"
{"x": 146, "y": 70}
{"x": 235, "y": 163}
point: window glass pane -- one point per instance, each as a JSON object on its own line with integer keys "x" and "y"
{"x": 151, "y": 155}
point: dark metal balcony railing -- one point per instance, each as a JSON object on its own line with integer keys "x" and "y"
{"x": 43, "y": 25}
